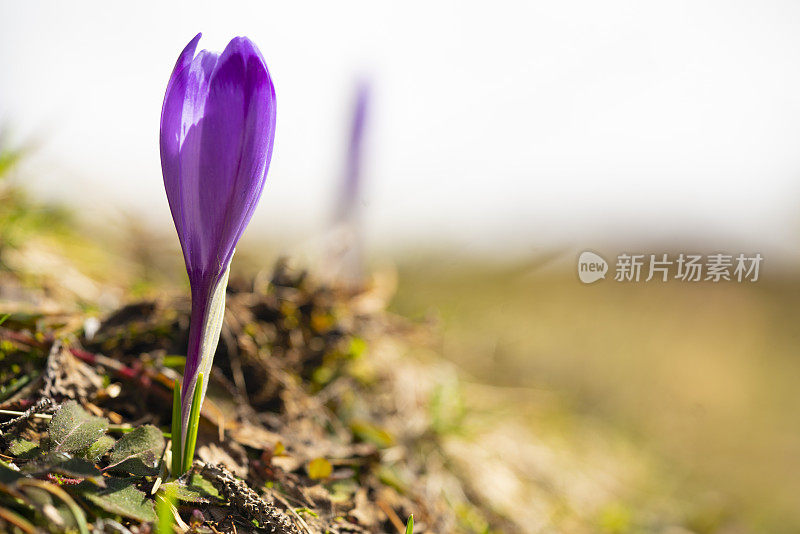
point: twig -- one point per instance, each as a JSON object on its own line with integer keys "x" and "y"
{"x": 41, "y": 404}
{"x": 17, "y": 520}
{"x": 19, "y": 337}
{"x": 398, "y": 524}
{"x": 289, "y": 507}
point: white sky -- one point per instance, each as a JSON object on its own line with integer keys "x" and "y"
{"x": 495, "y": 123}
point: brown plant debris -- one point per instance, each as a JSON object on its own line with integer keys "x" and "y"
{"x": 310, "y": 403}
{"x": 245, "y": 500}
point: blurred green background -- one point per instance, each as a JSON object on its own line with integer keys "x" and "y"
{"x": 702, "y": 375}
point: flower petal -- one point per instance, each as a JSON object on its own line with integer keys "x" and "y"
{"x": 236, "y": 144}
{"x": 170, "y": 132}
{"x": 258, "y": 142}
{"x": 196, "y": 247}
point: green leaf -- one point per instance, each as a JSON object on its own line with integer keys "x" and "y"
{"x": 72, "y": 428}
{"x": 204, "y": 486}
{"x": 194, "y": 423}
{"x": 196, "y": 492}
{"x": 96, "y": 450}
{"x": 24, "y": 449}
{"x": 120, "y": 497}
{"x": 174, "y": 361}
{"x": 138, "y": 451}
{"x": 305, "y": 510}
{"x": 183, "y": 493}
{"x": 8, "y": 475}
{"x": 410, "y": 525}
{"x": 370, "y": 433}
{"x": 319, "y": 468}
{"x": 67, "y": 465}
{"x": 177, "y": 442}
{"x": 357, "y": 347}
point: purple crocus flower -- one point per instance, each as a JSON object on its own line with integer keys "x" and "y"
{"x": 351, "y": 184}
{"x": 217, "y": 132}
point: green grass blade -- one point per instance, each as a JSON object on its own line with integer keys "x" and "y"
{"x": 165, "y": 502}
{"x": 194, "y": 422}
{"x": 176, "y": 430}
{"x": 410, "y": 525}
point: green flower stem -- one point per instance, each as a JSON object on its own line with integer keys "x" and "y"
{"x": 194, "y": 423}
{"x": 177, "y": 462}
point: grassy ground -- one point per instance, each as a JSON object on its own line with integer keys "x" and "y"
{"x": 702, "y": 377}
{"x": 604, "y": 408}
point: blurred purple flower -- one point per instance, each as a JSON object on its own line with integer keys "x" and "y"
{"x": 217, "y": 132}
{"x": 344, "y": 263}
{"x": 352, "y": 173}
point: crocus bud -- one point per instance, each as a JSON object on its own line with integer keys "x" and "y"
{"x": 217, "y": 132}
